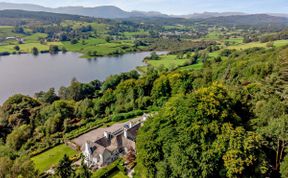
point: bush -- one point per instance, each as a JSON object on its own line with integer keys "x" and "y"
{"x": 4, "y": 53}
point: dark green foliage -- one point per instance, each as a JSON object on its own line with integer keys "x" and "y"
{"x": 53, "y": 49}
{"x": 35, "y": 51}
{"x": 154, "y": 56}
{"x": 19, "y": 136}
{"x": 188, "y": 138}
{"x": 19, "y": 29}
{"x": 161, "y": 90}
{"x": 227, "y": 52}
{"x": 83, "y": 171}
{"x": 18, "y": 109}
{"x": 55, "y": 114}
{"x": 112, "y": 81}
{"x": 47, "y": 97}
{"x": 284, "y": 168}
{"x": 78, "y": 91}
{"x": 17, "y": 48}
{"x": 64, "y": 168}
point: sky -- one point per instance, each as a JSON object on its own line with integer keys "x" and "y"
{"x": 175, "y": 6}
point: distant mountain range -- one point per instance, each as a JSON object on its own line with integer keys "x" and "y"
{"x": 112, "y": 12}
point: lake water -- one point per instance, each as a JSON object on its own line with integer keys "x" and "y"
{"x": 27, "y": 74}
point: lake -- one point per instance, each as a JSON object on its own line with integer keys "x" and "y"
{"x": 28, "y": 74}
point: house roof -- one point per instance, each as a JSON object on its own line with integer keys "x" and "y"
{"x": 116, "y": 141}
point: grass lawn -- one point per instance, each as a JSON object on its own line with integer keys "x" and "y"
{"x": 51, "y": 157}
{"x": 167, "y": 61}
{"x": 192, "y": 67}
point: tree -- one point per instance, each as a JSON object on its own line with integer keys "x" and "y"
{"x": 23, "y": 167}
{"x": 64, "y": 50}
{"x": 19, "y": 29}
{"x": 64, "y": 168}
{"x": 35, "y": 51}
{"x": 74, "y": 41}
{"x": 18, "y": 137}
{"x": 17, "y": 110}
{"x": 55, "y": 114}
{"x": 5, "y": 166}
{"x": 198, "y": 135}
{"x": 54, "y": 49}
{"x": 83, "y": 171}
{"x": 284, "y": 168}
{"x": 17, "y": 48}
{"x": 272, "y": 123}
{"x": 161, "y": 90}
{"x": 154, "y": 56}
{"x": 47, "y": 97}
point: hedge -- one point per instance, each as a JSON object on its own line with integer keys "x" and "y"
{"x": 123, "y": 116}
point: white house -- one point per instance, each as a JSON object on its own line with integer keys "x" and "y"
{"x": 109, "y": 147}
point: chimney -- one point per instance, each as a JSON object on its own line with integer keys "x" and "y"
{"x": 107, "y": 134}
{"x": 87, "y": 149}
{"x": 125, "y": 133}
{"x": 130, "y": 125}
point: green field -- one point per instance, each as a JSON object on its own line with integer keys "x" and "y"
{"x": 167, "y": 61}
{"x": 27, "y": 48}
{"x": 51, "y": 157}
{"x": 277, "y": 43}
{"x": 191, "y": 67}
{"x": 99, "y": 45}
{"x": 98, "y": 27}
{"x": 6, "y": 31}
{"x": 134, "y": 34}
{"x": 234, "y": 40}
{"x": 213, "y": 35}
{"x": 34, "y": 37}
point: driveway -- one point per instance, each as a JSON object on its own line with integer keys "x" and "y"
{"x": 93, "y": 135}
